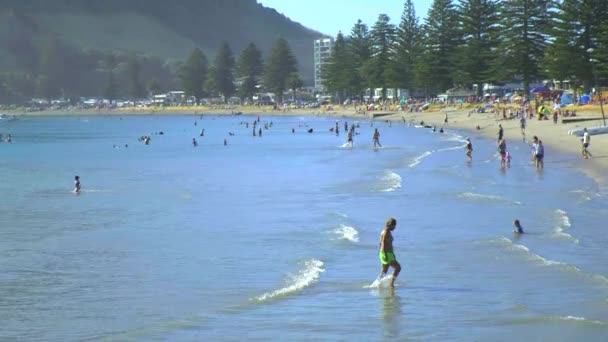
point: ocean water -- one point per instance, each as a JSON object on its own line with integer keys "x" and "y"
{"x": 276, "y": 237}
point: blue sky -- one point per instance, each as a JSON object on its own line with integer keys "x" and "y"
{"x": 331, "y": 16}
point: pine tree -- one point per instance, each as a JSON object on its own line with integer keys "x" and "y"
{"x": 477, "y": 56}
{"x": 294, "y": 82}
{"x": 338, "y": 70}
{"x": 408, "y": 41}
{"x": 359, "y": 51}
{"x": 577, "y": 27}
{"x": 440, "y": 39}
{"x": 250, "y": 68}
{"x": 383, "y": 40}
{"x": 193, "y": 74}
{"x": 524, "y": 25}
{"x": 281, "y": 64}
{"x": 223, "y": 72}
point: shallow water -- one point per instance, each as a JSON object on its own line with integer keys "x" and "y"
{"x": 278, "y": 235}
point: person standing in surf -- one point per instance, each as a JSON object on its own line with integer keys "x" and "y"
{"x": 349, "y": 141}
{"x": 376, "y": 138}
{"x": 387, "y": 255}
{"x": 76, "y": 184}
{"x": 469, "y": 149}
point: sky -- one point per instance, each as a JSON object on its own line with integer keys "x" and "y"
{"x": 331, "y": 16}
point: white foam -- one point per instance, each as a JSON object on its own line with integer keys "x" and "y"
{"x": 458, "y": 138}
{"x": 346, "y": 145}
{"x": 380, "y": 282}
{"x": 305, "y": 277}
{"x": 564, "y": 218}
{"x": 579, "y": 319}
{"x": 419, "y": 158}
{"x": 391, "y": 181}
{"x": 344, "y": 232}
{"x": 460, "y": 147}
{"x": 564, "y": 223}
{"x": 539, "y": 259}
{"x": 482, "y": 197}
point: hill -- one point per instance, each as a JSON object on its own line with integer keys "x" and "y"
{"x": 159, "y": 30}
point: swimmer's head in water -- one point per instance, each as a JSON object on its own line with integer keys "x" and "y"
{"x": 516, "y": 223}
{"x": 76, "y": 178}
{"x": 391, "y": 223}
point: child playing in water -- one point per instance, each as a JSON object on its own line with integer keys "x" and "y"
{"x": 76, "y": 184}
{"x": 518, "y": 229}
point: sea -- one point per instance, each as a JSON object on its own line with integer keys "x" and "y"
{"x": 275, "y": 238}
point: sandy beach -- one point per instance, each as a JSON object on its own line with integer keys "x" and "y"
{"x": 554, "y": 136}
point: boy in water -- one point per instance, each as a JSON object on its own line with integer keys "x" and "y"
{"x": 376, "y": 138}
{"x": 539, "y": 153}
{"x": 387, "y": 256}
{"x": 76, "y": 184}
{"x": 469, "y": 149}
{"x": 350, "y": 138}
{"x": 518, "y": 229}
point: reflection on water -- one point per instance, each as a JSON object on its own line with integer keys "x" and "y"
{"x": 392, "y": 313}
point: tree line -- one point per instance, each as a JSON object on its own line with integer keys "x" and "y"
{"x": 61, "y": 72}
{"x": 244, "y": 77}
{"x": 473, "y": 42}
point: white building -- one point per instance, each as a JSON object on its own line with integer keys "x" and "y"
{"x": 322, "y": 51}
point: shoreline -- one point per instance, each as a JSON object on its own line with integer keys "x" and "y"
{"x": 554, "y": 136}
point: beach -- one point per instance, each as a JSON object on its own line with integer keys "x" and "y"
{"x": 278, "y": 234}
{"x": 554, "y": 136}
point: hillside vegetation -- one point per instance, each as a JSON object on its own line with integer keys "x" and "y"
{"x": 159, "y": 31}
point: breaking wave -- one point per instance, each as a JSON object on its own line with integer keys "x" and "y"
{"x": 391, "y": 181}
{"x": 304, "y": 278}
{"x": 344, "y": 232}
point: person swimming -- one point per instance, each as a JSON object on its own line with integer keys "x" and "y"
{"x": 387, "y": 255}
{"x": 194, "y": 143}
{"x": 518, "y": 229}
{"x": 76, "y": 184}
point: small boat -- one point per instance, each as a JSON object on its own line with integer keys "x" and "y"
{"x": 590, "y": 130}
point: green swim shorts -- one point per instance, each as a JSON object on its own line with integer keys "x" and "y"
{"x": 387, "y": 257}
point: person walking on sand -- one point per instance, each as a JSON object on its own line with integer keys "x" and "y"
{"x": 469, "y": 149}
{"x": 586, "y": 142}
{"x": 522, "y": 125}
{"x": 76, "y": 184}
{"x": 387, "y": 254}
{"x": 376, "y": 138}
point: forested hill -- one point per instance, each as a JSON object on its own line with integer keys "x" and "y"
{"x": 165, "y": 29}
